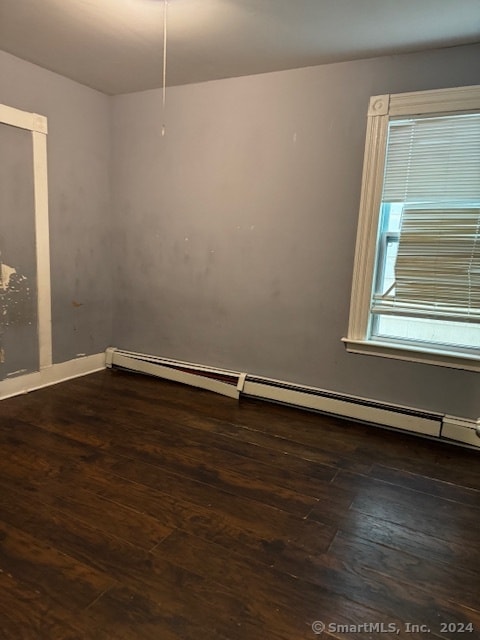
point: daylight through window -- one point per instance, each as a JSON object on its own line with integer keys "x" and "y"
{"x": 419, "y": 237}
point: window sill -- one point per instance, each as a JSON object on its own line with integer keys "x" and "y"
{"x": 413, "y": 354}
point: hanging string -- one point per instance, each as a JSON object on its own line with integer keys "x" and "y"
{"x": 164, "y": 89}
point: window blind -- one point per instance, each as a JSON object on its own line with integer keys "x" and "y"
{"x": 433, "y": 167}
{"x": 433, "y": 159}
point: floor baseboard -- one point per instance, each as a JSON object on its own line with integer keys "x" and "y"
{"x": 54, "y": 374}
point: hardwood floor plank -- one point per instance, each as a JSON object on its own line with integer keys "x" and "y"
{"x": 196, "y": 484}
{"x": 133, "y": 508}
{"x": 424, "y": 484}
{"x": 135, "y": 616}
{"x": 442, "y": 580}
{"x": 218, "y": 511}
{"x": 30, "y": 615}
{"x": 66, "y": 581}
{"x": 159, "y": 442}
{"x": 429, "y": 514}
{"x": 353, "y": 581}
{"x": 442, "y": 462}
{"x": 221, "y": 511}
{"x": 117, "y": 519}
{"x": 122, "y": 561}
{"x": 278, "y": 591}
{"x": 396, "y": 536}
{"x": 184, "y": 414}
{"x": 93, "y": 547}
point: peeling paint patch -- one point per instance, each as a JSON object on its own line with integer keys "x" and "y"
{"x": 16, "y": 305}
{"x": 15, "y": 298}
{"x": 6, "y": 273}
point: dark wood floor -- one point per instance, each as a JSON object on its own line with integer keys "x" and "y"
{"x": 133, "y": 508}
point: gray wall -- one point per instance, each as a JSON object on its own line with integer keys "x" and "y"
{"x": 234, "y": 234}
{"x": 231, "y": 239}
{"x": 79, "y": 201}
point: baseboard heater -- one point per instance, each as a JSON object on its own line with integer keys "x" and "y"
{"x": 227, "y": 383}
{"x": 461, "y": 430}
{"x": 360, "y": 409}
{"x": 234, "y": 383}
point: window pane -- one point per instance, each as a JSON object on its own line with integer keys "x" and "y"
{"x": 455, "y": 334}
{"x": 392, "y": 213}
{"x": 387, "y": 246}
{"x": 461, "y": 335}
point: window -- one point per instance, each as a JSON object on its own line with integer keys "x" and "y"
{"x": 416, "y": 285}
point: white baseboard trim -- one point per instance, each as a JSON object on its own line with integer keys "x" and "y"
{"x": 51, "y": 375}
{"x": 437, "y": 426}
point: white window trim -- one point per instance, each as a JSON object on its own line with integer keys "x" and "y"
{"x": 38, "y": 126}
{"x": 381, "y": 109}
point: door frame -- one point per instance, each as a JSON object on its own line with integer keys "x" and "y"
{"x": 37, "y": 125}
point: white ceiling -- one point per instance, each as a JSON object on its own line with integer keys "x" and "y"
{"x": 116, "y": 46}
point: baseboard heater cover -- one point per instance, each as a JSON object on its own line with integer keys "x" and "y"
{"x": 233, "y": 384}
{"x": 226, "y": 382}
{"x": 461, "y": 430}
{"x": 360, "y": 409}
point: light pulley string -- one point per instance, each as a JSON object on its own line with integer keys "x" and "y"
{"x": 164, "y": 84}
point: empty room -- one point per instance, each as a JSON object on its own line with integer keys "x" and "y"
{"x": 239, "y": 319}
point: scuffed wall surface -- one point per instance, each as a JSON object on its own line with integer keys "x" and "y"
{"x": 234, "y": 234}
{"x": 79, "y": 201}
